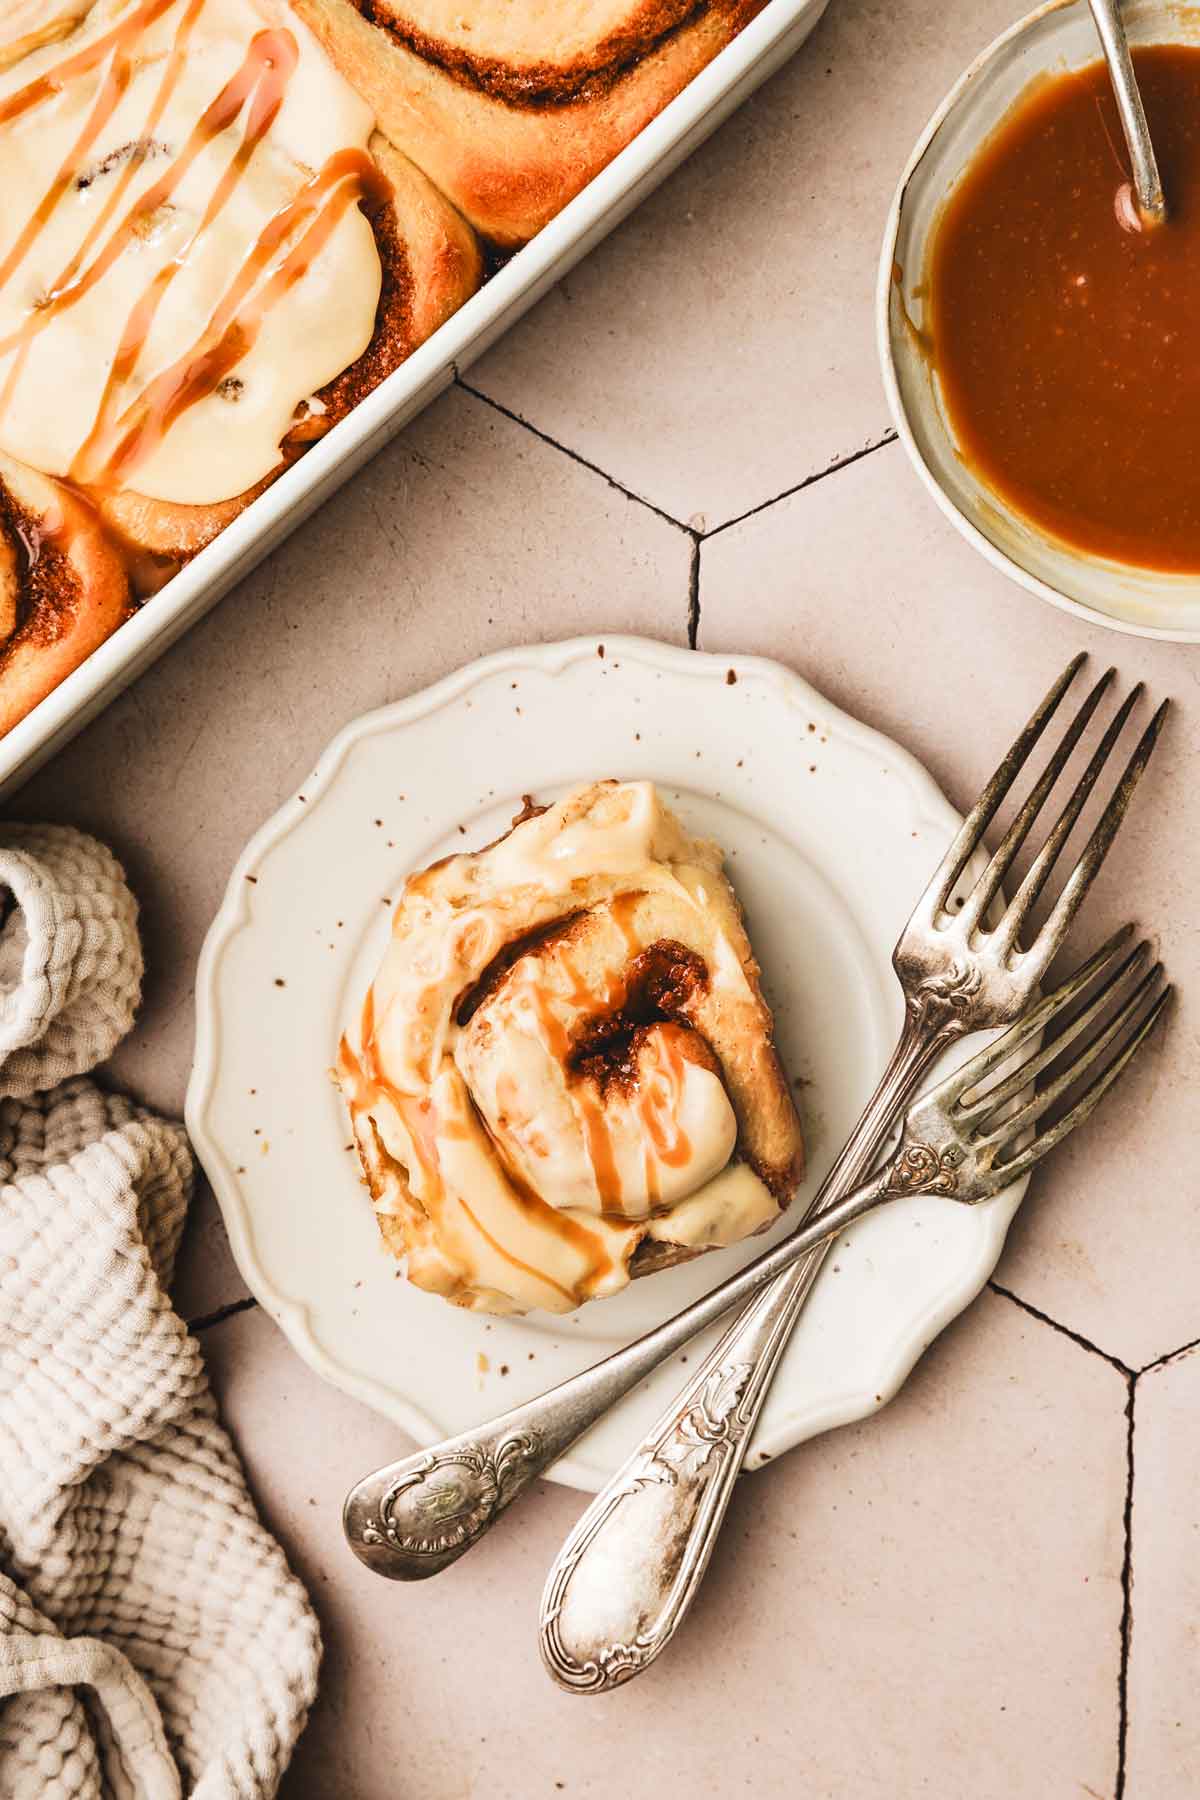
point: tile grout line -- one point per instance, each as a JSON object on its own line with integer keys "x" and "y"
{"x": 1126, "y": 1626}
{"x": 697, "y": 536}
{"x": 1076, "y": 1337}
{"x": 1159, "y": 1362}
{"x": 1126, "y": 1602}
{"x": 833, "y": 468}
{"x": 1169, "y": 1356}
{"x": 575, "y": 457}
{"x": 218, "y": 1317}
{"x": 235, "y": 1307}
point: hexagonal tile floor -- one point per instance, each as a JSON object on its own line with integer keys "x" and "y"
{"x": 991, "y": 1588}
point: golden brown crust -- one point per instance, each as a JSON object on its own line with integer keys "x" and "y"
{"x": 510, "y": 145}
{"x": 64, "y": 584}
{"x": 445, "y": 262}
{"x": 431, "y": 262}
{"x": 157, "y": 537}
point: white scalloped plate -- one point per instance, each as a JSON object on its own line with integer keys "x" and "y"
{"x": 831, "y": 831}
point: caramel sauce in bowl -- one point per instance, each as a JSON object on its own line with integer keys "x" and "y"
{"x": 999, "y": 468}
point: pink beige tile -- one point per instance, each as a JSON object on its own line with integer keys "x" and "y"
{"x": 926, "y": 1604}
{"x": 861, "y": 585}
{"x": 465, "y": 536}
{"x": 867, "y": 1628}
{"x": 720, "y": 346}
{"x": 1163, "y": 1756}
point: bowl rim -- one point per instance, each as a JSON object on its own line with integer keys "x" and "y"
{"x": 1000, "y": 559}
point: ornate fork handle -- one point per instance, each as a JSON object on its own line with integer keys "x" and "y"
{"x": 656, "y": 1522}
{"x": 415, "y": 1517}
{"x": 959, "y": 969}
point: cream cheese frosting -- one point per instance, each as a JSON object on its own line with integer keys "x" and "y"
{"x": 182, "y": 256}
{"x": 557, "y": 1057}
{"x": 25, "y": 25}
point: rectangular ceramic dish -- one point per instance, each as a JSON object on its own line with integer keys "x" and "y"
{"x": 760, "y": 49}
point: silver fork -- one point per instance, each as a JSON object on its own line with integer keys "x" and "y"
{"x": 960, "y": 972}
{"x": 416, "y": 1516}
{"x": 962, "y": 1141}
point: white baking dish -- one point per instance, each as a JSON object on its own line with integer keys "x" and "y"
{"x": 754, "y": 55}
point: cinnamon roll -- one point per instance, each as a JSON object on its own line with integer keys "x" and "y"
{"x": 564, "y": 1075}
{"x": 63, "y": 588}
{"x": 209, "y": 253}
{"x": 512, "y": 106}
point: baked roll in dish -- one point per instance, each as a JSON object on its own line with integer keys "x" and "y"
{"x": 512, "y": 106}
{"x": 208, "y": 254}
{"x": 63, "y": 588}
{"x": 564, "y": 1075}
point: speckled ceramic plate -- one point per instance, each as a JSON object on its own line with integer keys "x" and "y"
{"x": 831, "y": 832}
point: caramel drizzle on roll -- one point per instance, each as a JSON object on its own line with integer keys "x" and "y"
{"x": 657, "y": 1104}
{"x": 49, "y": 84}
{"x": 120, "y": 440}
{"x": 365, "y": 1083}
{"x": 114, "y": 449}
{"x": 667, "y": 1142}
{"x": 597, "y": 1134}
{"x": 575, "y": 1010}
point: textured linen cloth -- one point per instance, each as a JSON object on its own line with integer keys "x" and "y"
{"x": 153, "y": 1642}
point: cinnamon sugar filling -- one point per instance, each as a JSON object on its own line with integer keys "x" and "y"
{"x": 46, "y": 586}
{"x": 545, "y": 84}
{"x": 391, "y": 341}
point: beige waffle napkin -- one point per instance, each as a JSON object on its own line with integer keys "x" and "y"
{"x": 152, "y": 1640}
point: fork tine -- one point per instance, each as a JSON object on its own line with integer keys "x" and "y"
{"x": 981, "y": 814}
{"x": 1057, "y": 925}
{"x": 985, "y": 889}
{"x": 1054, "y": 1090}
{"x": 987, "y": 1104}
{"x": 1002, "y": 1173}
{"x": 1026, "y": 896}
{"x": 978, "y": 1067}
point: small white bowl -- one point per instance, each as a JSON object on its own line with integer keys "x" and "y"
{"x": 1060, "y": 35}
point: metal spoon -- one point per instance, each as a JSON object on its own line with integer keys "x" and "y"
{"x": 1147, "y": 182}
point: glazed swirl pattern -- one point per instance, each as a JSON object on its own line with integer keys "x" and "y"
{"x": 181, "y": 247}
{"x": 564, "y": 1075}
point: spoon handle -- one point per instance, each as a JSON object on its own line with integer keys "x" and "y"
{"x": 1147, "y": 183}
